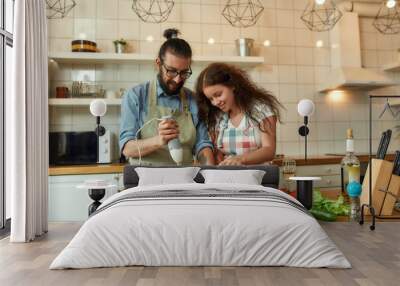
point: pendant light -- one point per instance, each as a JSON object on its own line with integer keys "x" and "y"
{"x": 320, "y": 15}
{"x": 153, "y": 11}
{"x": 387, "y": 21}
{"x": 241, "y": 13}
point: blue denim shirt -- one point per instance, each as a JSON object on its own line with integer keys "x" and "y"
{"x": 134, "y": 108}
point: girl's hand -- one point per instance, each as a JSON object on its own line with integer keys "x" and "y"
{"x": 219, "y": 155}
{"x": 232, "y": 161}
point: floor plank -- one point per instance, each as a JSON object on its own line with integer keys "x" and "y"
{"x": 375, "y": 257}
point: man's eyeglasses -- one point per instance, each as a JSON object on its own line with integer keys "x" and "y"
{"x": 172, "y": 73}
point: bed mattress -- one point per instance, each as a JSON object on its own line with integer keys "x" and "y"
{"x": 201, "y": 225}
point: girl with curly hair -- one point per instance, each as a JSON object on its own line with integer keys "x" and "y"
{"x": 240, "y": 116}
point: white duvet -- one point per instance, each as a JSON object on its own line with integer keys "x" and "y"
{"x": 205, "y": 231}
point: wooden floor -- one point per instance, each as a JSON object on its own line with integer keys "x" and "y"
{"x": 375, "y": 257}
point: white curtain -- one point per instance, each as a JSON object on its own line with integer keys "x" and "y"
{"x": 27, "y": 123}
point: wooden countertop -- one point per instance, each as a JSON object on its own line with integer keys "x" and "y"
{"x": 86, "y": 169}
{"x": 326, "y": 159}
{"x": 118, "y": 167}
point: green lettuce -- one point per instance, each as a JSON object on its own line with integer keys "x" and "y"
{"x": 337, "y": 207}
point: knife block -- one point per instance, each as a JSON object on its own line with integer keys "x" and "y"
{"x": 392, "y": 193}
{"x": 381, "y": 173}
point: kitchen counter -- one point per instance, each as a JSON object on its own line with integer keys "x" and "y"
{"x": 118, "y": 167}
{"x": 86, "y": 169}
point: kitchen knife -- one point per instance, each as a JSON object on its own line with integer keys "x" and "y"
{"x": 379, "y": 151}
{"x": 386, "y": 143}
{"x": 396, "y": 164}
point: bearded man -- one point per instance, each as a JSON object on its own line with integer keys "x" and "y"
{"x": 143, "y": 132}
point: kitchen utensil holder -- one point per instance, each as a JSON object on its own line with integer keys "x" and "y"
{"x": 369, "y": 205}
{"x": 381, "y": 174}
{"x": 391, "y": 194}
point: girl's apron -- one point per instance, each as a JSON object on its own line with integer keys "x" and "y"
{"x": 187, "y": 130}
{"x": 237, "y": 140}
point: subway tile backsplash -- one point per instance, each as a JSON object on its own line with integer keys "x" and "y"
{"x": 293, "y": 66}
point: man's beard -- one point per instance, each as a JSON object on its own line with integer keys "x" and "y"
{"x": 165, "y": 87}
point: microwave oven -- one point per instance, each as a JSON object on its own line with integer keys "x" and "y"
{"x": 78, "y": 148}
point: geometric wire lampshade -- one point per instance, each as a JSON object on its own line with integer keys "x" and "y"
{"x": 57, "y": 9}
{"x": 152, "y": 11}
{"x": 240, "y": 13}
{"x": 321, "y": 15}
{"x": 387, "y": 21}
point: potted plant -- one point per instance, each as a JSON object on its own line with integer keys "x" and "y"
{"x": 120, "y": 46}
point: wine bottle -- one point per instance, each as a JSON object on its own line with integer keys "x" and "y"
{"x": 350, "y": 164}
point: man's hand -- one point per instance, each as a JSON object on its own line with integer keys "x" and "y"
{"x": 167, "y": 130}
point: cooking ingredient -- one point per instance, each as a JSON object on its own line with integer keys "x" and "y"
{"x": 336, "y": 208}
{"x": 323, "y": 215}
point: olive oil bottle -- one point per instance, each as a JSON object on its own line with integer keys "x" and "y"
{"x": 350, "y": 165}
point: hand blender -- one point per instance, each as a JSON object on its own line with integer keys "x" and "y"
{"x": 175, "y": 147}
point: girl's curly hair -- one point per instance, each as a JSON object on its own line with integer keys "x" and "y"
{"x": 246, "y": 94}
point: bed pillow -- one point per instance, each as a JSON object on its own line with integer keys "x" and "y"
{"x": 248, "y": 177}
{"x": 166, "y": 176}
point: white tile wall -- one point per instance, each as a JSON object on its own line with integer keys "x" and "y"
{"x": 293, "y": 67}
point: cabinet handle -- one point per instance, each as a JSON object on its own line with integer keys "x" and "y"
{"x": 329, "y": 182}
{"x": 329, "y": 170}
{"x": 116, "y": 177}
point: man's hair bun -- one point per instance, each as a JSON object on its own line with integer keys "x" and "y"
{"x": 171, "y": 33}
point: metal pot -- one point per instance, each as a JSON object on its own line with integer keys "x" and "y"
{"x": 244, "y": 46}
{"x": 119, "y": 48}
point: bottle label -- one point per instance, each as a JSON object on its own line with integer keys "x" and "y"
{"x": 354, "y": 173}
{"x": 350, "y": 145}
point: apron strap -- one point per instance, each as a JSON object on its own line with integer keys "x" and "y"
{"x": 184, "y": 101}
{"x": 184, "y": 107}
{"x": 223, "y": 124}
{"x": 152, "y": 96}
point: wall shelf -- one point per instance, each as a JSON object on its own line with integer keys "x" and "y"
{"x": 393, "y": 67}
{"x": 103, "y": 58}
{"x": 395, "y": 102}
{"x": 80, "y": 101}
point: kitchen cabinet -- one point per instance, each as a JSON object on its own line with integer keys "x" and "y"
{"x": 68, "y": 203}
{"x": 330, "y": 175}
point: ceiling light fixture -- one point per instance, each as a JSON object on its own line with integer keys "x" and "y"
{"x": 390, "y": 4}
{"x": 153, "y": 11}
{"x": 387, "y": 21}
{"x": 321, "y": 15}
{"x": 240, "y": 13}
{"x": 57, "y": 9}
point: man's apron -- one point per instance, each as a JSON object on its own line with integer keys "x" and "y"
{"x": 187, "y": 130}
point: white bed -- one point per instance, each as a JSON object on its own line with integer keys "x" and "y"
{"x": 249, "y": 226}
